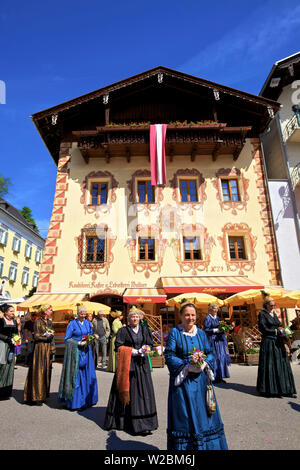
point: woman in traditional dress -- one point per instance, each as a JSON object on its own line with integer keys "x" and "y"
{"x": 8, "y": 328}
{"x": 217, "y": 339}
{"x": 275, "y": 377}
{"x": 189, "y": 425}
{"x": 116, "y": 325}
{"x": 131, "y": 405}
{"x": 37, "y": 384}
{"x": 78, "y": 383}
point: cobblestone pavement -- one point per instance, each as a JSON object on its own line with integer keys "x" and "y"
{"x": 251, "y": 422}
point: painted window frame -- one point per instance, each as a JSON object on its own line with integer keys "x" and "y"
{"x": 192, "y": 258}
{"x": 146, "y": 259}
{"x": 188, "y": 180}
{"x": 229, "y": 188}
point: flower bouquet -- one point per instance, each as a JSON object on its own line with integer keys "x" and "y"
{"x": 287, "y": 332}
{"x": 224, "y": 327}
{"x": 197, "y": 357}
{"x": 17, "y": 339}
{"x": 145, "y": 350}
{"x": 88, "y": 339}
{"x": 49, "y": 331}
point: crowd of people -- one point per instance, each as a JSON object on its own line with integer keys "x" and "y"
{"x": 196, "y": 359}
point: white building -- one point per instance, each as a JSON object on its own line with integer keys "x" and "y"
{"x": 281, "y": 148}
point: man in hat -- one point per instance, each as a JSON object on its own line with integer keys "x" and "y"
{"x": 102, "y": 331}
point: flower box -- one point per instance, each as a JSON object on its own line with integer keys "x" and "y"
{"x": 252, "y": 359}
{"x": 158, "y": 361}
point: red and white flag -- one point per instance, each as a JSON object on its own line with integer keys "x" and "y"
{"x": 158, "y": 153}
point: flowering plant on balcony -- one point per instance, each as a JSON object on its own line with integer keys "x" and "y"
{"x": 177, "y": 123}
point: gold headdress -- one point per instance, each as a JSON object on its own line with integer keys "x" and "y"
{"x": 266, "y": 297}
{"x": 184, "y": 302}
{"x": 135, "y": 310}
{"x": 116, "y": 314}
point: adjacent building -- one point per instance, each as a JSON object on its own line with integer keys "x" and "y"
{"x": 281, "y": 147}
{"x": 116, "y": 238}
{"x": 21, "y": 253}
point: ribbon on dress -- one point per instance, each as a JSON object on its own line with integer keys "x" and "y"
{"x": 122, "y": 373}
{"x": 158, "y": 153}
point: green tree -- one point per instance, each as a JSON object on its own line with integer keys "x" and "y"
{"x": 5, "y": 183}
{"x": 27, "y": 214}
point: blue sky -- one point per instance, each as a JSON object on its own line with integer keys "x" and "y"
{"x": 58, "y": 50}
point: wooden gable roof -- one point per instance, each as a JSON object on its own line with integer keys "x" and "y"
{"x": 157, "y": 95}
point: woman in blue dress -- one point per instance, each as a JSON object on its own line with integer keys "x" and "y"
{"x": 217, "y": 339}
{"x": 189, "y": 425}
{"x": 78, "y": 383}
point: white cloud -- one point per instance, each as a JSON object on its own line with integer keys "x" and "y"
{"x": 237, "y": 55}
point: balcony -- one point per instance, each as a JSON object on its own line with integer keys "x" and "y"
{"x": 295, "y": 176}
{"x": 291, "y": 132}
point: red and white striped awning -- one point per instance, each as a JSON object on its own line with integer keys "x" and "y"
{"x": 51, "y": 299}
{"x": 208, "y": 284}
{"x": 144, "y": 295}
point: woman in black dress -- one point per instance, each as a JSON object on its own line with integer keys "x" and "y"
{"x": 8, "y": 328}
{"x": 131, "y": 405}
{"x": 275, "y": 377}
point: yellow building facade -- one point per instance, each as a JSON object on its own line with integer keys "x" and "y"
{"x": 115, "y": 238}
{"x": 21, "y": 253}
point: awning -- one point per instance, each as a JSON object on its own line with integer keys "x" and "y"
{"x": 208, "y": 284}
{"x": 51, "y": 299}
{"x": 144, "y": 295}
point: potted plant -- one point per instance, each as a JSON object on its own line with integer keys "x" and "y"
{"x": 252, "y": 355}
{"x": 156, "y": 359}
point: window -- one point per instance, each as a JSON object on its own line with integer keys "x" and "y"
{"x": 236, "y": 248}
{"x": 38, "y": 255}
{"x": 188, "y": 190}
{"x": 16, "y": 246}
{"x": 95, "y": 249}
{"x": 192, "y": 249}
{"x": 25, "y": 276}
{"x": 35, "y": 279}
{"x": 1, "y": 266}
{"x": 146, "y": 249}
{"x": 145, "y": 192}
{"x": 28, "y": 250}
{"x": 13, "y": 269}
{"x": 3, "y": 235}
{"x": 230, "y": 190}
{"x": 99, "y": 193}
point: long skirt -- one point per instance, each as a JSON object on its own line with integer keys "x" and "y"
{"x": 6, "y": 375}
{"x": 221, "y": 357}
{"x": 86, "y": 388}
{"x": 189, "y": 426}
{"x": 275, "y": 376}
{"x": 140, "y": 415}
{"x": 37, "y": 384}
{"x": 112, "y": 356}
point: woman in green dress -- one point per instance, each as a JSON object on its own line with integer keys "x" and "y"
{"x": 116, "y": 325}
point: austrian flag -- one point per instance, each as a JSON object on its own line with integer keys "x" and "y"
{"x": 158, "y": 153}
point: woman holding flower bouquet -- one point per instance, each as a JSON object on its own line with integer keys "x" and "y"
{"x": 78, "y": 383}
{"x": 215, "y": 331}
{"x": 131, "y": 405}
{"x": 37, "y": 384}
{"x": 190, "y": 361}
{"x": 275, "y": 377}
{"x": 8, "y": 337}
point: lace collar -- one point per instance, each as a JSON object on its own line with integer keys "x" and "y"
{"x": 194, "y": 332}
